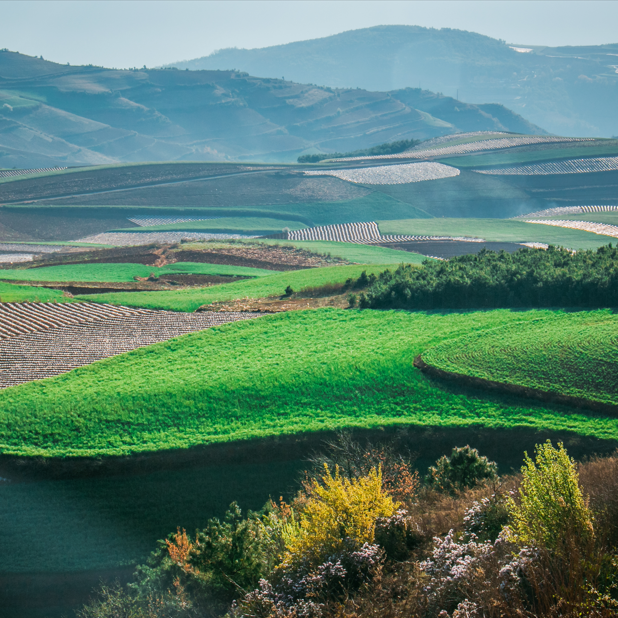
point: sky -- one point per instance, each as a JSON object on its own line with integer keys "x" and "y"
{"x": 124, "y": 34}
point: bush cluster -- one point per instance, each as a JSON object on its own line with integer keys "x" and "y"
{"x": 364, "y": 537}
{"x": 527, "y": 278}
{"x": 382, "y": 149}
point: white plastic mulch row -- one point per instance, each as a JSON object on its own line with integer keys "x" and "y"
{"x": 13, "y": 258}
{"x": 127, "y": 239}
{"x": 145, "y": 221}
{"x": 587, "y": 226}
{"x": 572, "y": 166}
{"x": 488, "y": 144}
{"x": 391, "y": 174}
{"x": 567, "y": 210}
{"x": 15, "y": 247}
{"x": 40, "y": 170}
{"x": 365, "y": 233}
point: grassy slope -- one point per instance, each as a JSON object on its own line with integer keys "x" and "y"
{"x": 362, "y": 254}
{"x": 574, "y": 355}
{"x": 10, "y": 293}
{"x": 259, "y": 225}
{"x": 504, "y": 230}
{"x": 515, "y": 157}
{"x": 282, "y": 374}
{"x": 191, "y": 298}
{"x": 125, "y": 272}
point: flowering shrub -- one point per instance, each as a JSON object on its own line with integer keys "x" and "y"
{"x": 487, "y": 518}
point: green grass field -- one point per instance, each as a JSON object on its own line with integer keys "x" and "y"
{"x": 11, "y": 293}
{"x": 225, "y": 225}
{"x": 274, "y": 285}
{"x": 284, "y": 374}
{"x": 112, "y": 273}
{"x": 499, "y": 230}
{"x": 568, "y": 354}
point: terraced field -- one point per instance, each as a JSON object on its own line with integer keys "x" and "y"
{"x": 234, "y": 225}
{"x": 192, "y": 298}
{"x": 571, "y": 166}
{"x": 284, "y": 374}
{"x": 391, "y": 174}
{"x": 117, "y": 272}
{"x": 566, "y": 354}
{"x": 11, "y": 293}
{"x": 602, "y": 229}
{"x": 56, "y": 350}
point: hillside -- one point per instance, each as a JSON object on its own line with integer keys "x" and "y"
{"x": 566, "y": 90}
{"x": 52, "y": 114}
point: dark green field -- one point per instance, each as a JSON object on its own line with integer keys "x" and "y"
{"x": 11, "y": 293}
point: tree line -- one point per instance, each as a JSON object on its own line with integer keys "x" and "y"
{"x": 556, "y": 277}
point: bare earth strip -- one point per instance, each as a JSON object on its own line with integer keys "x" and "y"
{"x": 47, "y": 353}
{"x": 128, "y": 239}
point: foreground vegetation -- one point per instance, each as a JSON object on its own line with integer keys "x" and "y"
{"x": 364, "y": 536}
{"x": 526, "y": 278}
{"x": 576, "y": 357}
{"x": 284, "y": 374}
{"x": 275, "y": 284}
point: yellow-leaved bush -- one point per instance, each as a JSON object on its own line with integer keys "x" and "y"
{"x": 338, "y": 513}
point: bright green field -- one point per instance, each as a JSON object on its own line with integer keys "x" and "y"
{"x": 189, "y": 299}
{"x": 500, "y": 230}
{"x": 11, "y": 293}
{"x": 125, "y": 272}
{"x": 571, "y": 354}
{"x": 281, "y": 374}
{"x": 240, "y": 225}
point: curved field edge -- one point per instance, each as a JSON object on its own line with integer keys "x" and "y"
{"x": 570, "y": 359}
{"x": 284, "y": 374}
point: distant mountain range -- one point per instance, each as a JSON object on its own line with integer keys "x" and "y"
{"x": 53, "y": 114}
{"x": 567, "y": 90}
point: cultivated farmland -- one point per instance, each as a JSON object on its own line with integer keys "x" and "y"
{"x": 588, "y": 226}
{"x": 337, "y": 369}
{"x": 573, "y": 166}
{"x": 43, "y": 340}
{"x": 565, "y": 354}
{"x": 391, "y": 174}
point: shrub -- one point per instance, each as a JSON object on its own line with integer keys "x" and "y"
{"x": 464, "y": 468}
{"x": 352, "y": 300}
{"x": 288, "y": 291}
{"x": 551, "y": 511}
{"x": 486, "y": 518}
{"x": 339, "y": 514}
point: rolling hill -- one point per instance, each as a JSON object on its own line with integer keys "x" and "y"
{"x": 52, "y": 114}
{"x": 566, "y": 90}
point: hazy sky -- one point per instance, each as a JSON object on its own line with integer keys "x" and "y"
{"x": 127, "y": 33}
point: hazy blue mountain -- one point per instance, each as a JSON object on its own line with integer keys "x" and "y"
{"x": 566, "y": 90}
{"x": 52, "y": 114}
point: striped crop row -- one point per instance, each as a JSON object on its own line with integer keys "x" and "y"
{"x": 145, "y": 221}
{"x": 571, "y": 166}
{"x": 39, "y": 170}
{"x": 602, "y": 229}
{"x": 43, "y": 354}
{"x": 567, "y": 210}
{"x": 19, "y": 318}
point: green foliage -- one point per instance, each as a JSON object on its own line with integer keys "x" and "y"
{"x": 577, "y": 357}
{"x": 271, "y": 285}
{"x": 126, "y": 272}
{"x": 223, "y": 559}
{"x": 382, "y": 149}
{"x": 551, "y": 511}
{"x": 338, "y": 368}
{"x": 463, "y": 469}
{"x": 289, "y": 291}
{"x": 527, "y": 278}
